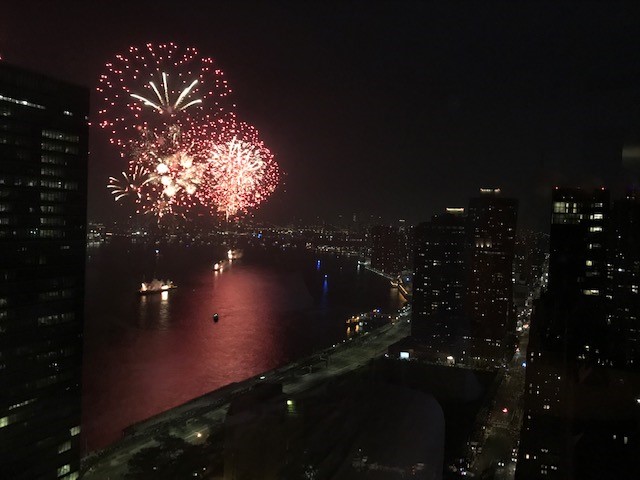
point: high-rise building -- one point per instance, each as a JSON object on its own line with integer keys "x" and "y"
{"x": 440, "y": 277}
{"x": 489, "y": 301}
{"x": 406, "y": 247}
{"x": 623, "y": 290}
{"x": 578, "y": 241}
{"x": 386, "y": 249}
{"x": 580, "y": 407}
{"x": 43, "y": 199}
{"x": 577, "y": 274}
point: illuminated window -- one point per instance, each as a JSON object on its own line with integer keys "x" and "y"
{"x": 21, "y": 404}
{"x": 64, "y": 469}
{"x": 595, "y": 229}
{"x": 21, "y": 102}
{"x": 51, "y": 158}
{"x": 589, "y": 263}
{"x": 56, "y": 135}
{"x": 74, "y": 431}
{"x": 560, "y": 207}
{"x": 63, "y": 447}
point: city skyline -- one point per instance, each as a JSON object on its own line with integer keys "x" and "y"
{"x": 548, "y": 96}
{"x": 320, "y": 240}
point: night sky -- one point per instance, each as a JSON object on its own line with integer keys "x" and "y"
{"x": 395, "y": 109}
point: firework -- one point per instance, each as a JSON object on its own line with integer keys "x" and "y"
{"x": 129, "y": 184}
{"x": 167, "y": 110}
{"x": 176, "y": 170}
{"x": 155, "y": 86}
{"x": 242, "y": 172}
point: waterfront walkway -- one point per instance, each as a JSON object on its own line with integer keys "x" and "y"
{"x": 195, "y": 419}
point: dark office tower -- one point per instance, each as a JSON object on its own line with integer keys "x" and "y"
{"x": 580, "y": 413}
{"x": 577, "y": 262}
{"x": 577, "y": 273}
{"x": 489, "y": 303}
{"x": 407, "y": 240}
{"x": 624, "y": 279}
{"x": 43, "y": 198}
{"x": 385, "y": 249}
{"x": 439, "y": 277}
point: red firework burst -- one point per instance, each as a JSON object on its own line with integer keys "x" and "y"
{"x": 153, "y": 86}
{"x": 241, "y": 170}
{"x": 168, "y": 111}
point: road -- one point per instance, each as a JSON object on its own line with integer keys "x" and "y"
{"x": 502, "y": 426}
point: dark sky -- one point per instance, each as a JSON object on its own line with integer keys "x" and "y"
{"x": 394, "y": 108}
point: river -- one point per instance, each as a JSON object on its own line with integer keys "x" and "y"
{"x": 144, "y": 355}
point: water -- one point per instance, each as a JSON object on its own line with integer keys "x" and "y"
{"x": 144, "y": 355}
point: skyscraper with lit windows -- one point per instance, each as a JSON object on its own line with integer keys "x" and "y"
{"x": 440, "y": 278}
{"x": 624, "y": 279}
{"x": 43, "y": 199}
{"x": 386, "y": 249}
{"x": 577, "y": 274}
{"x": 581, "y": 393}
{"x": 492, "y": 222}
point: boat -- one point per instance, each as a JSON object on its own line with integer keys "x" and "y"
{"x": 156, "y": 286}
{"x": 234, "y": 254}
{"x": 231, "y": 256}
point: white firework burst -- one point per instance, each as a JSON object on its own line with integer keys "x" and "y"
{"x": 164, "y": 103}
{"x": 129, "y": 184}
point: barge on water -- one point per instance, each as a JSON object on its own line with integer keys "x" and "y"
{"x": 156, "y": 286}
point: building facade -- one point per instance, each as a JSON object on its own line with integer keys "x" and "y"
{"x": 43, "y": 198}
{"x": 491, "y": 230}
{"x": 623, "y": 290}
{"x": 440, "y": 277}
{"x": 581, "y": 396}
{"x": 386, "y": 249}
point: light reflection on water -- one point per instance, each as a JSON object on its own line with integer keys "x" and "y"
{"x": 145, "y": 354}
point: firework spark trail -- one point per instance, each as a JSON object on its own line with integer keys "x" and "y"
{"x": 160, "y": 85}
{"x": 129, "y": 184}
